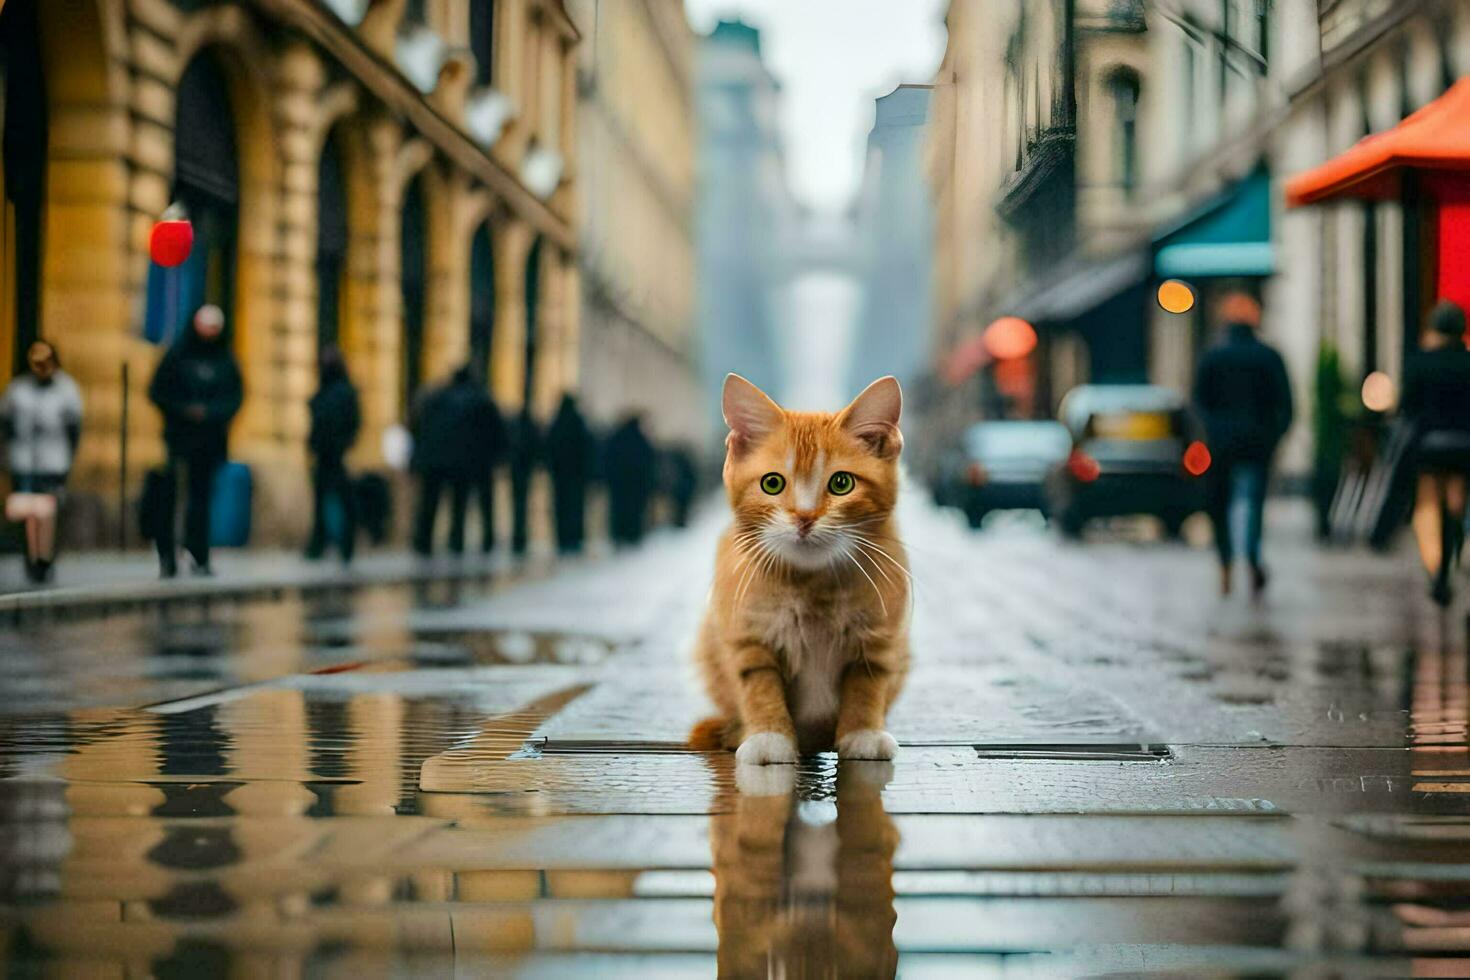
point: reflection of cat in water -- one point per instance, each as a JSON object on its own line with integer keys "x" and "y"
{"x": 799, "y": 892}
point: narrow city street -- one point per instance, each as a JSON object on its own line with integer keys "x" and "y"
{"x": 1105, "y": 769}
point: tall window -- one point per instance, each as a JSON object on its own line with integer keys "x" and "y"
{"x": 1123, "y": 87}
{"x": 482, "y": 300}
{"x": 533, "y": 304}
{"x": 331, "y": 241}
{"x": 207, "y": 182}
{"x": 22, "y": 181}
{"x": 413, "y": 273}
{"x": 482, "y": 39}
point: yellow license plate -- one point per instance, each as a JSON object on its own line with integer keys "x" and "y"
{"x": 1132, "y": 425}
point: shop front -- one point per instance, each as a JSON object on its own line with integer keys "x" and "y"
{"x": 1423, "y": 164}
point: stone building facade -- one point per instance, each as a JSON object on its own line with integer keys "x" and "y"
{"x": 1034, "y": 162}
{"x": 1188, "y": 117}
{"x": 745, "y": 218}
{"x": 895, "y": 221}
{"x": 389, "y": 175}
{"x": 637, "y": 141}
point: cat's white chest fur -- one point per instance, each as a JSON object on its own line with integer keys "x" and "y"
{"x": 817, "y": 650}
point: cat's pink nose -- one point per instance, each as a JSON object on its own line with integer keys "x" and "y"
{"x": 804, "y": 524}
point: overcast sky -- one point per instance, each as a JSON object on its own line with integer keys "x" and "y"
{"x": 833, "y": 58}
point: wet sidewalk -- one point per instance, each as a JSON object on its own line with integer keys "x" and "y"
{"x": 98, "y": 583}
{"x": 1106, "y": 769}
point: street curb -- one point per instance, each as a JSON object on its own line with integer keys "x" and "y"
{"x": 101, "y": 601}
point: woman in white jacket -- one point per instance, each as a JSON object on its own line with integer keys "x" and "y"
{"x": 41, "y": 412}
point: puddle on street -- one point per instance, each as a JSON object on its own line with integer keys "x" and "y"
{"x": 354, "y": 784}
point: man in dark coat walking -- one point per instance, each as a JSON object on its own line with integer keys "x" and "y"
{"x": 1243, "y": 396}
{"x": 569, "y": 449}
{"x": 446, "y": 455}
{"x": 198, "y": 389}
{"x": 487, "y": 448}
{"x": 525, "y": 451}
{"x": 335, "y": 421}
{"x": 630, "y": 463}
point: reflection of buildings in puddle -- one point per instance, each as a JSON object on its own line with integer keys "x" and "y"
{"x": 1438, "y": 711}
{"x": 805, "y": 888}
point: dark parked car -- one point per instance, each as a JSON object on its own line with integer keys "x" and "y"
{"x": 1135, "y": 450}
{"x": 1002, "y": 466}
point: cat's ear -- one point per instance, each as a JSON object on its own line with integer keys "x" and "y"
{"x": 749, "y": 412}
{"x": 873, "y": 417}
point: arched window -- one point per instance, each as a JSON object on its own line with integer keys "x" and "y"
{"x": 207, "y": 183}
{"x": 331, "y": 240}
{"x": 533, "y": 302}
{"x": 22, "y": 181}
{"x": 482, "y": 39}
{"x": 412, "y": 250}
{"x": 482, "y": 300}
{"x": 1123, "y": 88}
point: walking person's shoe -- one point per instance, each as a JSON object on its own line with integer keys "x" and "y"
{"x": 201, "y": 569}
{"x": 1259, "y": 580}
{"x": 33, "y": 570}
{"x": 44, "y": 570}
{"x": 1440, "y": 589}
{"x": 168, "y": 566}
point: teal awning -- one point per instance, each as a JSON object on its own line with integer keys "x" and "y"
{"x": 1229, "y": 237}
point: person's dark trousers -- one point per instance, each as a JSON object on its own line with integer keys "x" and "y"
{"x": 483, "y": 489}
{"x": 197, "y": 470}
{"x": 459, "y": 499}
{"x": 570, "y": 500}
{"x": 431, "y": 487}
{"x": 330, "y": 481}
{"x": 1237, "y": 488}
{"x": 520, "y": 509}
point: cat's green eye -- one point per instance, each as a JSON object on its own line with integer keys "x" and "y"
{"x": 773, "y": 483}
{"x": 841, "y": 483}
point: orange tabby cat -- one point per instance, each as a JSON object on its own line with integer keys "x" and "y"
{"x": 805, "y": 644}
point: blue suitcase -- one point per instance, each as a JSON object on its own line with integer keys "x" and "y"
{"x": 229, "y": 510}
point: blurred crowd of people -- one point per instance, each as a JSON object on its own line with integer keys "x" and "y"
{"x": 461, "y": 443}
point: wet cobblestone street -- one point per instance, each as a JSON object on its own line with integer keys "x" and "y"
{"x": 1106, "y": 769}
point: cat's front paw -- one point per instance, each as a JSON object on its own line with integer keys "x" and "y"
{"x": 867, "y": 743}
{"x": 766, "y": 748}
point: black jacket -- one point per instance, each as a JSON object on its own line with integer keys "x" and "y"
{"x": 569, "y": 445}
{"x": 1437, "y": 390}
{"x": 1243, "y": 396}
{"x": 335, "y": 417}
{"x": 457, "y": 429}
{"x": 197, "y": 375}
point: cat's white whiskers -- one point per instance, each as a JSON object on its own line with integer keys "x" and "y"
{"x": 876, "y": 591}
{"x": 876, "y": 567}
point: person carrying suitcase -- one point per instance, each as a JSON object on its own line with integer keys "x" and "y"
{"x": 198, "y": 389}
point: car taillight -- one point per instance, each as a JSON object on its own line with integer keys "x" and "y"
{"x": 975, "y": 474}
{"x": 1083, "y": 467}
{"x": 1197, "y": 459}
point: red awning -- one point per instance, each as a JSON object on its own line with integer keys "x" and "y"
{"x": 1437, "y": 137}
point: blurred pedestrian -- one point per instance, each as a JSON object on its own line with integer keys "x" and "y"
{"x": 525, "y": 452}
{"x": 446, "y": 455}
{"x": 198, "y": 389}
{"x": 629, "y": 463}
{"x": 1243, "y": 396}
{"x": 41, "y": 414}
{"x": 489, "y": 446}
{"x": 681, "y": 481}
{"x": 1436, "y": 400}
{"x": 335, "y": 421}
{"x": 569, "y": 451}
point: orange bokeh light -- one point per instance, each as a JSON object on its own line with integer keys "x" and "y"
{"x": 1197, "y": 459}
{"x": 1010, "y": 338}
{"x": 1176, "y": 296}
